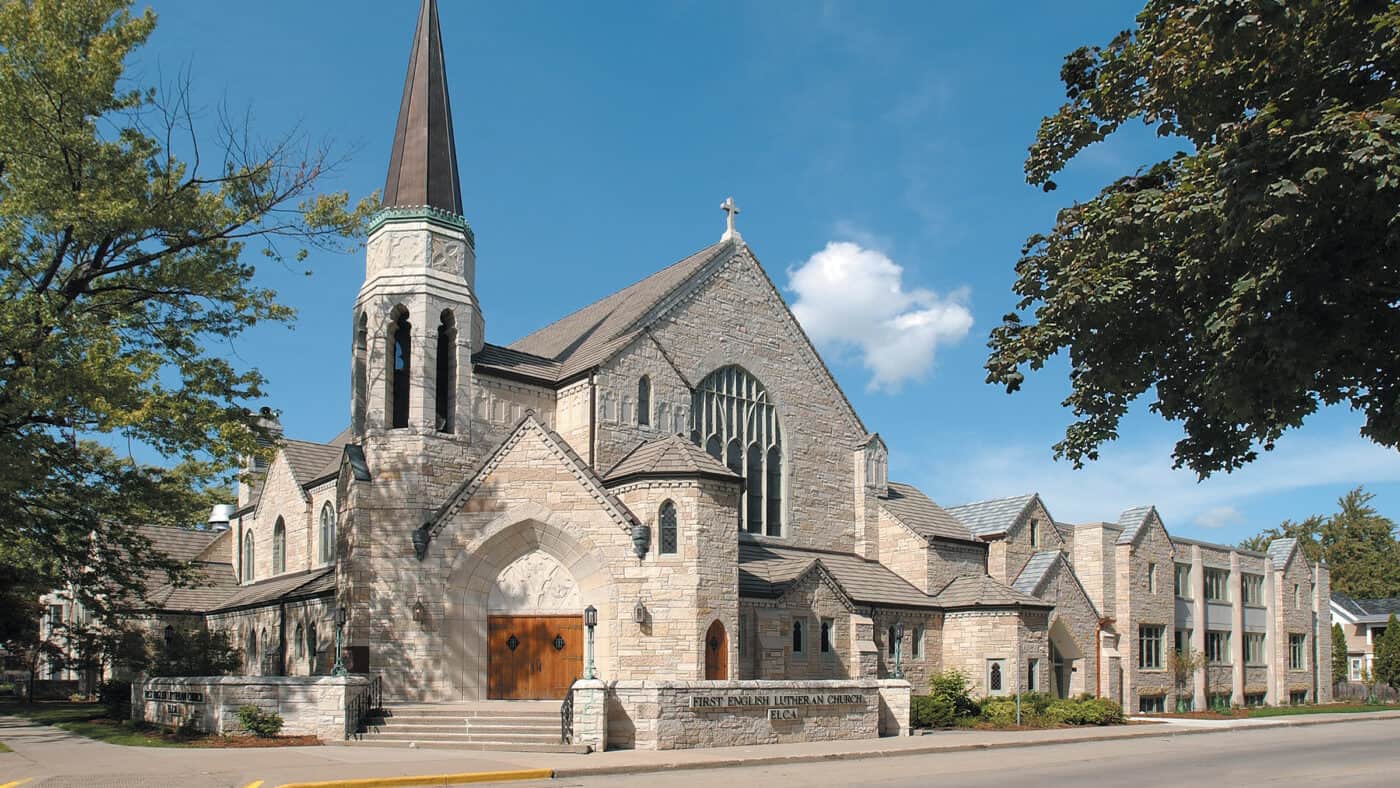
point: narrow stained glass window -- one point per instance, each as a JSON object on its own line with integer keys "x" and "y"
{"x": 667, "y": 519}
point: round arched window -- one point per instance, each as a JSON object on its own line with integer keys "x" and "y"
{"x": 733, "y": 419}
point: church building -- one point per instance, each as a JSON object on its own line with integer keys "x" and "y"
{"x": 678, "y": 457}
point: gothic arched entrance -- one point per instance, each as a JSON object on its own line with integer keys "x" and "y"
{"x": 716, "y": 653}
{"x": 534, "y": 630}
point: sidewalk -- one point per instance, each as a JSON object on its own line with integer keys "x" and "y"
{"x": 45, "y": 753}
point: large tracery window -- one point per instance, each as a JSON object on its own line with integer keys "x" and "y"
{"x": 736, "y": 423}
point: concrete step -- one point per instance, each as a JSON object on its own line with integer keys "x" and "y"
{"x": 500, "y": 738}
{"x": 418, "y": 729}
{"x": 479, "y": 728}
{"x": 438, "y": 744}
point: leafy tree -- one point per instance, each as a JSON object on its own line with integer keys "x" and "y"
{"x": 123, "y": 267}
{"x": 195, "y": 651}
{"x": 1182, "y": 665}
{"x": 1358, "y": 544}
{"x": 1339, "y": 654}
{"x": 1387, "y": 658}
{"x": 20, "y": 613}
{"x": 1247, "y": 279}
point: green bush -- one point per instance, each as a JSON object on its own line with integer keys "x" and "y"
{"x": 1085, "y": 711}
{"x": 115, "y": 697}
{"x": 263, "y": 724}
{"x": 932, "y": 711}
{"x": 952, "y": 686}
{"x": 1001, "y": 711}
{"x": 1039, "y": 710}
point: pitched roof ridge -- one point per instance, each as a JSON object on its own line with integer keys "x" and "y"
{"x": 614, "y": 294}
{"x": 994, "y": 500}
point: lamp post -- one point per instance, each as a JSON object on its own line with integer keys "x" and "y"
{"x": 590, "y": 620}
{"x": 898, "y": 648}
{"x": 340, "y": 618}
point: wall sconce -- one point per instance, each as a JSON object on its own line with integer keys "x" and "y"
{"x": 420, "y": 613}
{"x": 639, "y": 613}
{"x": 641, "y": 539}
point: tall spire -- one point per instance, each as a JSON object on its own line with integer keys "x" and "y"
{"x": 423, "y": 163}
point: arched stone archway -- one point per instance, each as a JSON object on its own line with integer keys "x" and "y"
{"x": 500, "y": 573}
{"x": 1064, "y": 653}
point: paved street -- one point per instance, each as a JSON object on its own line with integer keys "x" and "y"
{"x": 1359, "y": 754}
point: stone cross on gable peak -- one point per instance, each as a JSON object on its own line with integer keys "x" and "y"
{"x": 730, "y": 211}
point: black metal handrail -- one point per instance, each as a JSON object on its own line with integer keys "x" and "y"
{"x": 566, "y": 717}
{"x": 359, "y": 706}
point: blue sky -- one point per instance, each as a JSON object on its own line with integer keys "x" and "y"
{"x": 875, "y": 148}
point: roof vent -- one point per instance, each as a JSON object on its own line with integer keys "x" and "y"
{"x": 220, "y": 516}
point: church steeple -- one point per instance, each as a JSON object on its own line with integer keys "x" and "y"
{"x": 423, "y": 162}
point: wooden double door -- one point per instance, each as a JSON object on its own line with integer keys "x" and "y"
{"x": 533, "y": 657}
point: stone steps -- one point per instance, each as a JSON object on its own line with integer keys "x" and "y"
{"x": 522, "y": 727}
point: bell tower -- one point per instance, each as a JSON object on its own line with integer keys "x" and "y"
{"x": 416, "y": 321}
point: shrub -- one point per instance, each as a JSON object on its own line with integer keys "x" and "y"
{"x": 1001, "y": 711}
{"x": 1085, "y": 711}
{"x": 115, "y": 697}
{"x": 952, "y": 685}
{"x": 263, "y": 724}
{"x": 932, "y": 711}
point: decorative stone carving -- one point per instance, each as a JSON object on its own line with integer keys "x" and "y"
{"x": 534, "y": 583}
{"x": 448, "y": 256}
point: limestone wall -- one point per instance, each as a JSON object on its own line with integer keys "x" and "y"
{"x": 666, "y": 715}
{"x": 308, "y": 706}
{"x": 1138, "y": 606}
{"x": 973, "y": 637}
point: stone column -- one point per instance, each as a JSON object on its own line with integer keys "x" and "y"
{"x": 895, "y": 704}
{"x": 1271, "y": 604}
{"x": 1198, "y": 627}
{"x": 1322, "y": 616}
{"x": 1236, "y": 631}
{"x": 591, "y": 714}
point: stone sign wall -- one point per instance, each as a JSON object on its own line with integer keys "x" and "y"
{"x": 308, "y": 705}
{"x": 664, "y": 715}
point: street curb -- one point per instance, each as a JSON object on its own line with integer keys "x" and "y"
{"x": 461, "y": 778}
{"x": 855, "y": 755}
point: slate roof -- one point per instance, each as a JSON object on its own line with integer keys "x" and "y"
{"x": 966, "y": 591}
{"x": 180, "y": 544}
{"x": 1368, "y": 610}
{"x": 985, "y": 518}
{"x": 1280, "y": 550}
{"x": 588, "y": 336}
{"x": 668, "y": 457}
{"x": 507, "y": 362}
{"x": 765, "y": 570}
{"x": 215, "y": 583}
{"x": 297, "y": 585}
{"x": 921, "y": 515}
{"x": 1131, "y": 521}
{"x": 1035, "y": 571}
{"x": 311, "y": 461}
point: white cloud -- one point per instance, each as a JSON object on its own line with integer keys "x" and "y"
{"x": 1142, "y": 474}
{"x": 855, "y": 297}
{"x": 1219, "y": 517}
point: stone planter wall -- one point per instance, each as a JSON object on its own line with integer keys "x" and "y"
{"x": 308, "y": 705}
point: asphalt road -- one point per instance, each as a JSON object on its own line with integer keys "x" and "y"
{"x": 1352, "y": 754}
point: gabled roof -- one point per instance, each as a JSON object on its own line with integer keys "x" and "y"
{"x": 670, "y": 456}
{"x": 180, "y": 544}
{"x": 585, "y": 338}
{"x": 1132, "y": 521}
{"x": 907, "y": 504}
{"x": 583, "y": 472}
{"x": 1366, "y": 611}
{"x": 214, "y": 583}
{"x": 311, "y": 461}
{"x": 423, "y": 158}
{"x": 988, "y": 518}
{"x": 971, "y": 591}
{"x": 1280, "y": 550}
{"x": 1035, "y": 571}
{"x": 767, "y": 570}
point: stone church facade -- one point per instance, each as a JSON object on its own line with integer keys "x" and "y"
{"x": 678, "y": 456}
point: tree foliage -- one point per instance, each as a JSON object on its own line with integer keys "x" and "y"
{"x": 194, "y": 651}
{"x": 1248, "y": 279}
{"x": 1386, "y": 664}
{"x": 1339, "y": 655}
{"x": 1358, "y": 544}
{"x": 127, "y": 233}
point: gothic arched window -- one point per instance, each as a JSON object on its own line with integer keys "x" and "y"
{"x": 666, "y": 521}
{"x": 279, "y": 547}
{"x": 300, "y": 643}
{"x": 446, "y": 371}
{"x": 400, "y": 350}
{"x": 644, "y": 401}
{"x": 327, "y": 532}
{"x": 730, "y": 410}
{"x": 361, "y": 374}
{"x": 248, "y": 557}
{"x": 311, "y": 647}
{"x": 799, "y": 642}
{"x": 250, "y": 654}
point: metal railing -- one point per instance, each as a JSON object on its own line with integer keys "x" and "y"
{"x": 362, "y": 704}
{"x": 566, "y": 716}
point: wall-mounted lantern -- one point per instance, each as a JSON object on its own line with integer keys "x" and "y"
{"x": 420, "y": 613}
{"x": 342, "y": 616}
{"x": 639, "y": 612}
{"x": 641, "y": 539}
{"x": 898, "y": 648}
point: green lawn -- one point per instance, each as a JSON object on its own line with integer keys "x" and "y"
{"x": 88, "y": 719}
{"x": 1329, "y": 708}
